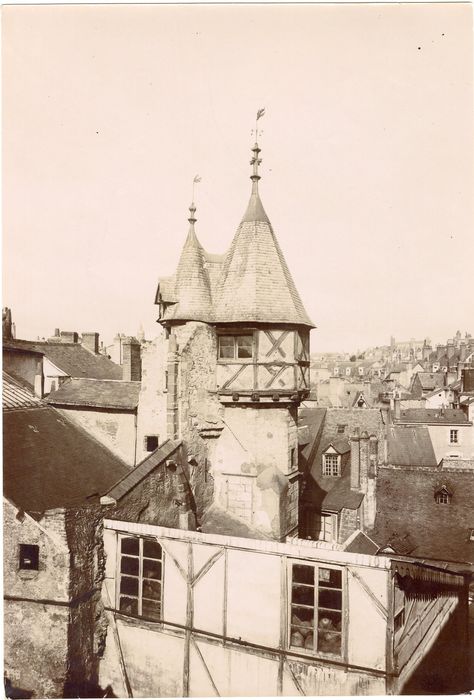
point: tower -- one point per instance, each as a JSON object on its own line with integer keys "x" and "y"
{"x": 239, "y": 360}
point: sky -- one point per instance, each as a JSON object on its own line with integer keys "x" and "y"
{"x": 367, "y": 159}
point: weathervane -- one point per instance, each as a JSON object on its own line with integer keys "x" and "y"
{"x": 197, "y": 179}
{"x": 260, "y": 114}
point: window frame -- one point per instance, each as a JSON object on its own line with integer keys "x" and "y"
{"x": 145, "y": 444}
{"x": 324, "y": 466}
{"x": 443, "y": 497}
{"x": 141, "y": 542}
{"x": 235, "y": 347}
{"x": 23, "y": 555}
{"x": 454, "y": 436}
{"x": 313, "y": 652}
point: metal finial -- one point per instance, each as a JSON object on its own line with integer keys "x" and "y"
{"x": 192, "y": 209}
{"x": 255, "y": 177}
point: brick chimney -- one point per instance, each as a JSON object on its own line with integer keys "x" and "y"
{"x": 364, "y": 461}
{"x": 462, "y": 350}
{"x": 451, "y": 348}
{"x": 69, "y": 337}
{"x": 355, "y": 460}
{"x": 91, "y": 342}
{"x": 131, "y": 360}
{"x": 440, "y": 351}
{"x": 426, "y": 352}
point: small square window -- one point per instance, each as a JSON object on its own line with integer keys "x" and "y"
{"x": 29, "y": 557}
{"x": 341, "y": 428}
{"x": 151, "y": 442}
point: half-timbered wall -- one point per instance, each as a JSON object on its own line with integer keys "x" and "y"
{"x": 226, "y": 621}
{"x": 279, "y": 362}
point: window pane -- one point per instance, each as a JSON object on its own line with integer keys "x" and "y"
{"x": 329, "y": 642}
{"x": 129, "y": 585}
{"x": 302, "y": 617}
{"x": 129, "y": 605}
{"x": 330, "y": 599}
{"x": 151, "y": 568}
{"x": 130, "y": 545}
{"x": 151, "y": 589}
{"x": 303, "y": 573}
{"x": 151, "y": 549}
{"x": 303, "y": 594}
{"x": 330, "y": 577}
{"x": 297, "y": 638}
{"x": 244, "y": 346}
{"x": 151, "y": 608}
{"x": 226, "y": 346}
{"x": 129, "y": 565}
{"x": 329, "y": 620}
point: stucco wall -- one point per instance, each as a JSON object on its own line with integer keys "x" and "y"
{"x": 151, "y": 417}
{"x": 22, "y": 364}
{"x": 114, "y": 429}
{"x": 439, "y": 435}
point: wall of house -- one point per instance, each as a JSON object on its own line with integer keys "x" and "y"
{"x": 223, "y": 588}
{"x": 151, "y": 415}
{"x": 24, "y": 365}
{"x": 115, "y": 429}
{"x": 440, "y": 438}
{"x": 36, "y": 635}
{"x": 53, "y": 376}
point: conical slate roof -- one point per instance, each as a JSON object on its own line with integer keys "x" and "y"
{"x": 251, "y": 283}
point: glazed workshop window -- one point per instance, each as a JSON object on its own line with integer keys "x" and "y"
{"x": 233, "y": 347}
{"x": 151, "y": 442}
{"x": 453, "y": 437}
{"x": 141, "y": 576}
{"x": 331, "y": 465}
{"x": 29, "y": 557}
{"x": 316, "y": 609}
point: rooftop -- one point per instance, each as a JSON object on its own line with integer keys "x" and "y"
{"x": 410, "y": 446}
{"x": 17, "y": 394}
{"x": 72, "y": 358}
{"x": 446, "y": 416}
{"x": 97, "y": 393}
{"x": 50, "y": 462}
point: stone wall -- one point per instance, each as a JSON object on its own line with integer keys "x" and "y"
{"x": 151, "y": 417}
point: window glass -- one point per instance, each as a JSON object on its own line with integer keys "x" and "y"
{"x": 29, "y": 557}
{"x": 226, "y": 347}
{"x": 331, "y": 465}
{"x": 244, "y": 346}
{"x": 141, "y": 562}
{"x": 329, "y": 611}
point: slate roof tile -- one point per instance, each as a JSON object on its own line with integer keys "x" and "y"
{"x": 17, "y": 393}
{"x": 50, "y": 462}
{"x": 100, "y": 393}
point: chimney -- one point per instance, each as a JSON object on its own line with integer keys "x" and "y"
{"x": 131, "y": 360}
{"x": 440, "y": 350}
{"x": 396, "y": 406}
{"x": 39, "y": 380}
{"x": 364, "y": 461}
{"x": 355, "y": 460}
{"x": 373, "y": 456}
{"x": 69, "y": 337}
{"x": 7, "y": 331}
{"x": 172, "y": 388}
{"x": 57, "y": 334}
{"x": 450, "y": 349}
{"x": 462, "y": 350}
{"x": 91, "y": 342}
{"x": 426, "y": 352}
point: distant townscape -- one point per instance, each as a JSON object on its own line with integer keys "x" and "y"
{"x": 219, "y": 511}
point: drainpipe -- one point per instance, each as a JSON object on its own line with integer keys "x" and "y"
{"x": 172, "y": 395}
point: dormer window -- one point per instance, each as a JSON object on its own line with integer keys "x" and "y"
{"x": 331, "y": 464}
{"x": 233, "y": 347}
{"x": 443, "y": 496}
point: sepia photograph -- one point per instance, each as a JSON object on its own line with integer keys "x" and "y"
{"x": 238, "y": 350}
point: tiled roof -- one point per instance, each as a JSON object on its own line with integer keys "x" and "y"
{"x": 360, "y": 543}
{"x": 50, "y": 462}
{"x": 431, "y": 380}
{"x": 446, "y": 416}
{"x": 17, "y": 394}
{"x": 251, "y": 283}
{"x": 410, "y": 446}
{"x": 256, "y": 284}
{"x": 132, "y": 478}
{"x": 407, "y": 510}
{"x": 74, "y": 359}
{"x": 101, "y": 393}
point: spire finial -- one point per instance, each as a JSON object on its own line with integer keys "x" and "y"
{"x": 255, "y": 177}
{"x": 192, "y": 220}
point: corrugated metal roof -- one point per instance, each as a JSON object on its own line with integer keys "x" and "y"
{"x": 100, "y": 393}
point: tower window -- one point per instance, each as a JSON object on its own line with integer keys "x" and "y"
{"x": 29, "y": 557}
{"x": 233, "y": 347}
